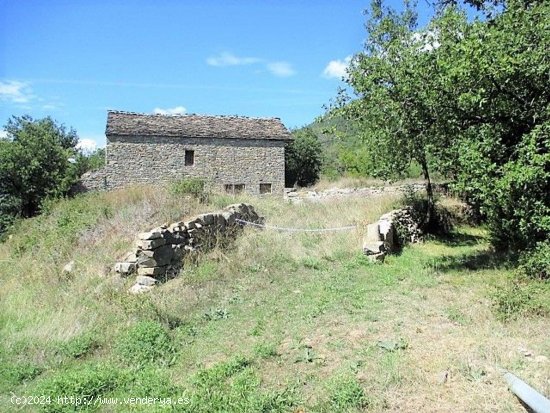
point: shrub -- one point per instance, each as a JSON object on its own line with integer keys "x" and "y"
{"x": 303, "y": 159}
{"x": 144, "y": 343}
{"x": 517, "y": 203}
{"x": 536, "y": 263}
{"x": 522, "y": 297}
{"x": 190, "y": 186}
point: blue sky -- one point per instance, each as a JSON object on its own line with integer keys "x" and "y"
{"x": 75, "y": 59}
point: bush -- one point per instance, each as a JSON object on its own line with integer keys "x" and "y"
{"x": 517, "y": 203}
{"x": 536, "y": 263}
{"x": 190, "y": 186}
{"x": 144, "y": 343}
{"x": 522, "y": 297}
{"x": 303, "y": 159}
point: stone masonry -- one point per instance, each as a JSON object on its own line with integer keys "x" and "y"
{"x": 229, "y": 153}
{"x": 159, "y": 253}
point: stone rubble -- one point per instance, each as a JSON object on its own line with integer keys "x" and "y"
{"x": 159, "y": 253}
{"x": 298, "y": 196}
{"x": 391, "y": 232}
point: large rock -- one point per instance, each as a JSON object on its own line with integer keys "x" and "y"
{"x": 150, "y": 244}
{"x": 150, "y": 235}
{"x": 373, "y": 233}
{"x": 146, "y": 280}
{"x": 125, "y": 268}
{"x": 373, "y": 247}
{"x": 207, "y": 219}
{"x": 140, "y": 289}
{"x": 152, "y": 271}
{"x": 158, "y": 257}
{"x": 387, "y": 232}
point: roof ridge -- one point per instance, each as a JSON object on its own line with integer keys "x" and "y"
{"x": 124, "y": 112}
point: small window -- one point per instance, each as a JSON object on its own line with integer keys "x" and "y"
{"x": 189, "y": 158}
{"x": 234, "y": 188}
{"x": 265, "y": 188}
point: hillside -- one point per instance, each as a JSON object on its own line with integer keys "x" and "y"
{"x": 296, "y": 322}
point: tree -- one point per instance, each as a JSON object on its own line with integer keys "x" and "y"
{"x": 399, "y": 101}
{"x": 34, "y": 165}
{"x": 303, "y": 158}
{"x": 467, "y": 99}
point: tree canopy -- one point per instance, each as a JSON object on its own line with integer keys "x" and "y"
{"x": 35, "y": 164}
{"x": 468, "y": 99}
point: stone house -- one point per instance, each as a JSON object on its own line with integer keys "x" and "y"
{"x": 231, "y": 153}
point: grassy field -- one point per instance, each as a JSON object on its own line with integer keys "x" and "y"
{"x": 278, "y": 322}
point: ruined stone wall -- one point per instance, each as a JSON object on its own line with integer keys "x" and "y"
{"x": 159, "y": 253}
{"x": 153, "y": 159}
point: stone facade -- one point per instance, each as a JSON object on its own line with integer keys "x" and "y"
{"x": 219, "y": 161}
{"x": 230, "y": 153}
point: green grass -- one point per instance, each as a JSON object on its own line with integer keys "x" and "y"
{"x": 275, "y": 322}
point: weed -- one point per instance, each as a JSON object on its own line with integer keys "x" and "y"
{"x": 234, "y": 386}
{"x": 13, "y": 374}
{"x": 216, "y": 314}
{"x": 79, "y": 346}
{"x": 521, "y": 297}
{"x": 265, "y": 350}
{"x": 345, "y": 393}
{"x": 144, "y": 343}
{"x": 456, "y": 315}
{"x": 84, "y": 383}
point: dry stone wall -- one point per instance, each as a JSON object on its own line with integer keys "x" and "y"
{"x": 159, "y": 253}
{"x": 390, "y": 233}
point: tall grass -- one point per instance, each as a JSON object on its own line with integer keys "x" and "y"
{"x": 276, "y": 321}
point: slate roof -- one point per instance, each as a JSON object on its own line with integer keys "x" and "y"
{"x": 195, "y": 126}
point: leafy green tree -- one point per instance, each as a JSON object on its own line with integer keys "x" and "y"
{"x": 303, "y": 158}
{"x": 34, "y": 165}
{"x": 467, "y": 99}
{"x": 399, "y": 101}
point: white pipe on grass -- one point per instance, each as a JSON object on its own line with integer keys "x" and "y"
{"x": 536, "y": 401}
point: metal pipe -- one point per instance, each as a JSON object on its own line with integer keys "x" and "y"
{"x": 529, "y": 396}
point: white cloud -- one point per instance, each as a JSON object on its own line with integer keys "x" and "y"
{"x": 178, "y": 110}
{"x": 86, "y": 145}
{"x": 277, "y": 68}
{"x": 3, "y": 134}
{"x": 281, "y": 69}
{"x": 15, "y": 91}
{"x": 229, "y": 59}
{"x": 337, "y": 68}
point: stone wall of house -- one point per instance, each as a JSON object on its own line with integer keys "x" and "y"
{"x": 220, "y": 162}
{"x": 92, "y": 181}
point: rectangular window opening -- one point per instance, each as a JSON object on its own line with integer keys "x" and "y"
{"x": 234, "y": 188}
{"x": 189, "y": 158}
{"x": 265, "y": 189}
